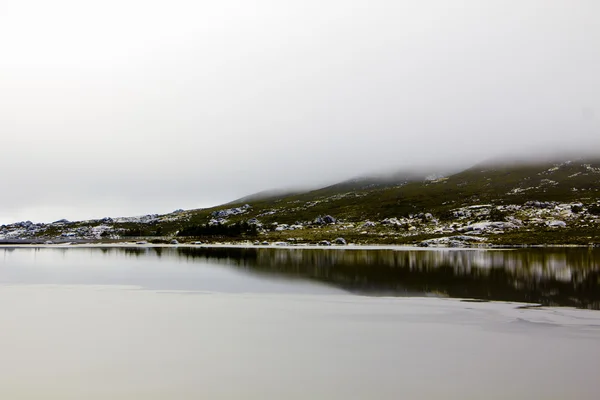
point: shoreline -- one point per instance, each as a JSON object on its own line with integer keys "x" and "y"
{"x": 396, "y": 247}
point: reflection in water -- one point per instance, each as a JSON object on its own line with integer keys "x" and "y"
{"x": 557, "y": 276}
{"x": 565, "y": 277}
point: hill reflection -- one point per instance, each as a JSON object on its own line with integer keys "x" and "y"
{"x": 552, "y": 277}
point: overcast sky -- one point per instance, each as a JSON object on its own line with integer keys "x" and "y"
{"x": 127, "y": 107}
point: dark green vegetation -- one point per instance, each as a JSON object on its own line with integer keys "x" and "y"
{"x": 403, "y": 195}
{"x": 529, "y": 203}
{"x": 235, "y": 230}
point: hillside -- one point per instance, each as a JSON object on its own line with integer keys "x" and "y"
{"x": 490, "y": 203}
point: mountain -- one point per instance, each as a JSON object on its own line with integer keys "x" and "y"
{"x": 541, "y": 202}
{"x": 265, "y": 195}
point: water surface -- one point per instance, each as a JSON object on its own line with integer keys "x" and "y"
{"x": 218, "y": 323}
{"x": 557, "y": 277}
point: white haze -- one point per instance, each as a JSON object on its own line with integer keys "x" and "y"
{"x": 130, "y": 107}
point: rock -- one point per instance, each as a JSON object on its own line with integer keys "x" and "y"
{"x": 197, "y": 243}
{"x": 265, "y": 243}
{"x": 488, "y": 226}
{"x": 368, "y": 224}
{"x": 452, "y": 241}
{"x": 141, "y": 242}
{"x": 328, "y": 219}
{"x": 340, "y": 241}
{"x": 256, "y": 243}
{"x": 479, "y": 206}
{"x": 556, "y": 224}
{"x": 577, "y": 207}
{"x": 539, "y": 204}
{"x": 174, "y": 241}
{"x": 179, "y": 211}
{"x": 231, "y": 211}
{"x": 324, "y": 243}
{"x": 286, "y": 227}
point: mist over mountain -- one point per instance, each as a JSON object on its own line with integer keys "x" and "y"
{"x": 491, "y": 203}
{"x": 195, "y": 104}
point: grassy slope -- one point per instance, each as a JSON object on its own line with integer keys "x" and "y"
{"x": 360, "y": 200}
{"x": 477, "y": 185}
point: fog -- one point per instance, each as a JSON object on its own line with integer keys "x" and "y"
{"x": 131, "y": 107}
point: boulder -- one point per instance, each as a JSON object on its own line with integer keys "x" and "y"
{"x": 324, "y": 243}
{"x": 539, "y": 204}
{"x": 488, "y": 226}
{"x": 328, "y": 219}
{"x": 452, "y": 241}
{"x": 323, "y": 220}
{"x": 340, "y": 241}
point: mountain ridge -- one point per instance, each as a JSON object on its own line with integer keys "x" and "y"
{"x": 495, "y": 203}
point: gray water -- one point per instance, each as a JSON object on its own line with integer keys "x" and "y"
{"x": 552, "y": 277}
{"x": 233, "y": 323}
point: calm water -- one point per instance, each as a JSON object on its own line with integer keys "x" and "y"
{"x": 557, "y": 277}
{"x": 233, "y": 323}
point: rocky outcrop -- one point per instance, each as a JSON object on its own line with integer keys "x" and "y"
{"x": 324, "y": 220}
{"x": 231, "y": 211}
{"x": 340, "y": 241}
{"x": 452, "y": 241}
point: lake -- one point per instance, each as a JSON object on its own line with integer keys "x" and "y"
{"x": 260, "y": 323}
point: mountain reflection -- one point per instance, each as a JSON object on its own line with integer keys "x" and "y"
{"x": 552, "y": 277}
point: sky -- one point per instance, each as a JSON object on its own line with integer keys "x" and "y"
{"x": 130, "y": 107}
